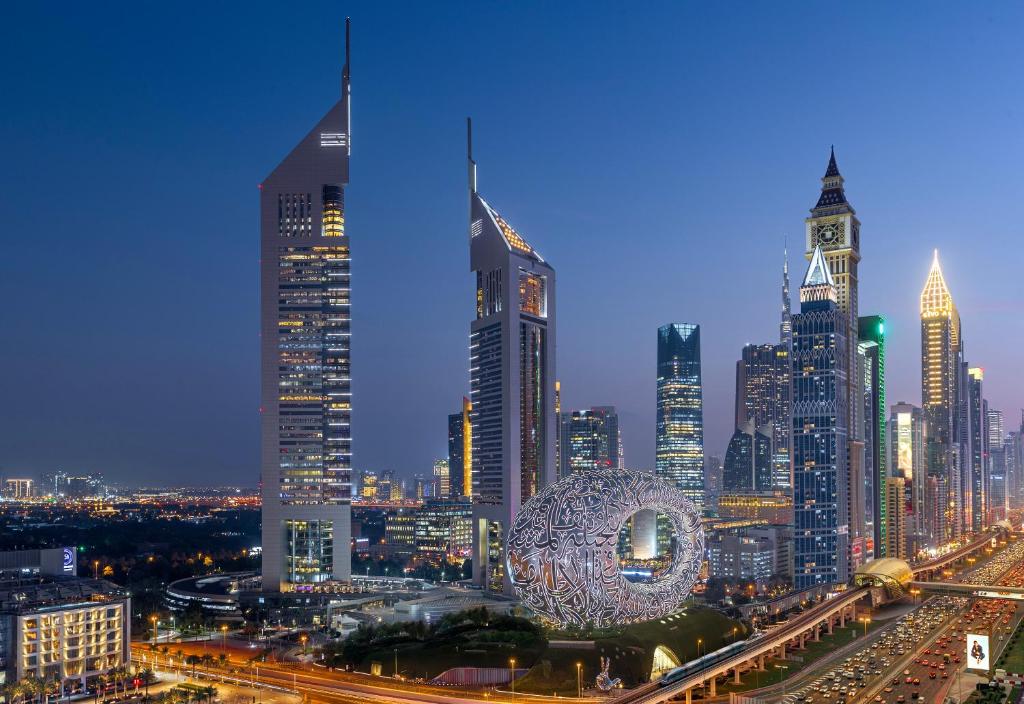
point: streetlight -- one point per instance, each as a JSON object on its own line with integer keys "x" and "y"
{"x": 152, "y": 619}
{"x": 865, "y": 620}
{"x": 579, "y": 680}
{"x": 396, "y": 663}
{"x": 734, "y": 629}
{"x": 512, "y": 675}
{"x": 303, "y": 638}
{"x": 95, "y": 569}
{"x": 783, "y": 676}
{"x": 224, "y": 636}
{"x": 699, "y": 641}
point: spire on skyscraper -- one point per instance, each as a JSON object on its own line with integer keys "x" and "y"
{"x": 786, "y": 325}
{"x": 936, "y": 300}
{"x": 832, "y": 198}
{"x": 833, "y": 169}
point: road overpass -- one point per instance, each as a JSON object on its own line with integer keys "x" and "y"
{"x": 984, "y": 591}
{"x": 930, "y": 567}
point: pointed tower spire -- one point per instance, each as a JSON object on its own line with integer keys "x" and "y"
{"x": 936, "y": 300}
{"x": 346, "y": 72}
{"x": 832, "y": 169}
{"x": 469, "y": 155}
{"x": 832, "y": 199}
{"x": 786, "y": 325}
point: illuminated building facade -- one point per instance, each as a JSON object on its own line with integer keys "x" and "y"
{"x": 871, "y": 352}
{"x": 833, "y": 228}
{"x": 442, "y": 530}
{"x": 59, "y": 629}
{"x": 748, "y": 460}
{"x": 368, "y": 486}
{"x": 820, "y": 468}
{"x": 460, "y": 451}
{"x": 979, "y": 455}
{"x": 940, "y": 377}
{"x": 589, "y": 440}
{"x": 895, "y": 518}
{"x": 442, "y": 478}
{"x": 306, "y": 358}
{"x": 512, "y": 381}
{"x": 762, "y": 397}
{"x": 679, "y": 448}
{"x": 775, "y": 509}
{"x": 908, "y": 461}
{"x": 998, "y": 478}
{"x": 18, "y": 489}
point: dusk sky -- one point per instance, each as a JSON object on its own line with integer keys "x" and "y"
{"x": 657, "y": 154}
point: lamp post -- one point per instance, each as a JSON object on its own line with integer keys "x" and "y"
{"x": 699, "y": 641}
{"x": 512, "y": 675}
{"x": 224, "y": 637}
{"x": 95, "y": 569}
{"x": 734, "y": 629}
{"x": 783, "y": 675}
{"x": 303, "y": 639}
{"x": 865, "y": 620}
{"x": 152, "y": 619}
{"x": 579, "y": 680}
{"x": 396, "y": 663}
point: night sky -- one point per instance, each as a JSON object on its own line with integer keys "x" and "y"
{"x": 656, "y": 154}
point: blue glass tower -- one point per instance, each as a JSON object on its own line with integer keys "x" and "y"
{"x": 680, "y": 440}
{"x": 820, "y": 432}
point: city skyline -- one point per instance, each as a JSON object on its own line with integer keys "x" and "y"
{"x": 599, "y": 368}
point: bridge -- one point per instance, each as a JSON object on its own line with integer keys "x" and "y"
{"x": 930, "y": 567}
{"x": 983, "y": 591}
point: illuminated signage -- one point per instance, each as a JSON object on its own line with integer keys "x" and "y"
{"x": 68, "y": 564}
{"x": 977, "y": 652}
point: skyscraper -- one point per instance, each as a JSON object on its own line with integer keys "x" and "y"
{"x": 679, "y": 447}
{"x": 940, "y": 371}
{"x": 589, "y": 440}
{"x": 762, "y": 397}
{"x": 871, "y": 350}
{"x": 895, "y": 530}
{"x": 833, "y": 228}
{"x": 820, "y": 467}
{"x": 460, "y": 451}
{"x": 908, "y": 461}
{"x": 512, "y": 380}
{"x": 748, "y": 460}
{"x": 979, "y": 450}
{"x": 305, "y": 351}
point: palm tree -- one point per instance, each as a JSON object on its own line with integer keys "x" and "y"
{"x": 222, "y": 660}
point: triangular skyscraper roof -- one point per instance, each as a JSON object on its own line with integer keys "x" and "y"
{"x": 818, "y": 273}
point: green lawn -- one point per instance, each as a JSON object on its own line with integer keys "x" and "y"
{"x": 1012, "y": 659}
{"x": 631, "y": 650}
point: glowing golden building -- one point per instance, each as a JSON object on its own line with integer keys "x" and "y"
{"x": 940, "y": 352}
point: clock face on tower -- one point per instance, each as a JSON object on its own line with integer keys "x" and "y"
{"x": 828, "y": 234}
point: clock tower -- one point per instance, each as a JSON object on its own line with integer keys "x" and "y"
{"x": 833, "y": 226}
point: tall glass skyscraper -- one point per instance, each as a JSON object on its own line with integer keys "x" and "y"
{"x": 979, "y": 474}
{"x": 820, "y": 468}
{"x": 305, "y": 355}
{"x": 679, "y": 449}
{"x": 906, "y": 429}
{"x": 871, "y": 350}
{"x": 460, "y": 451}
{"x": 512, "y": 381}
{"x": 589, "y": 440}
{"x": 940, "y": 391}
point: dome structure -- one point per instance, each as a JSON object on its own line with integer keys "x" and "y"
{"x": 889, "y": 572}
{"x": 1004, "y": 525}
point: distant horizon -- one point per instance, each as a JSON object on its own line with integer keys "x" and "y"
{"x": 658, "y": 159}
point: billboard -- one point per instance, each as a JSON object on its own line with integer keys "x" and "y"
{"x": 977, "y": 652}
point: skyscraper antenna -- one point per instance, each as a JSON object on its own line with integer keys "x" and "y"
{"x": 469, "y": 155}
{"x": 348, "y": 48}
